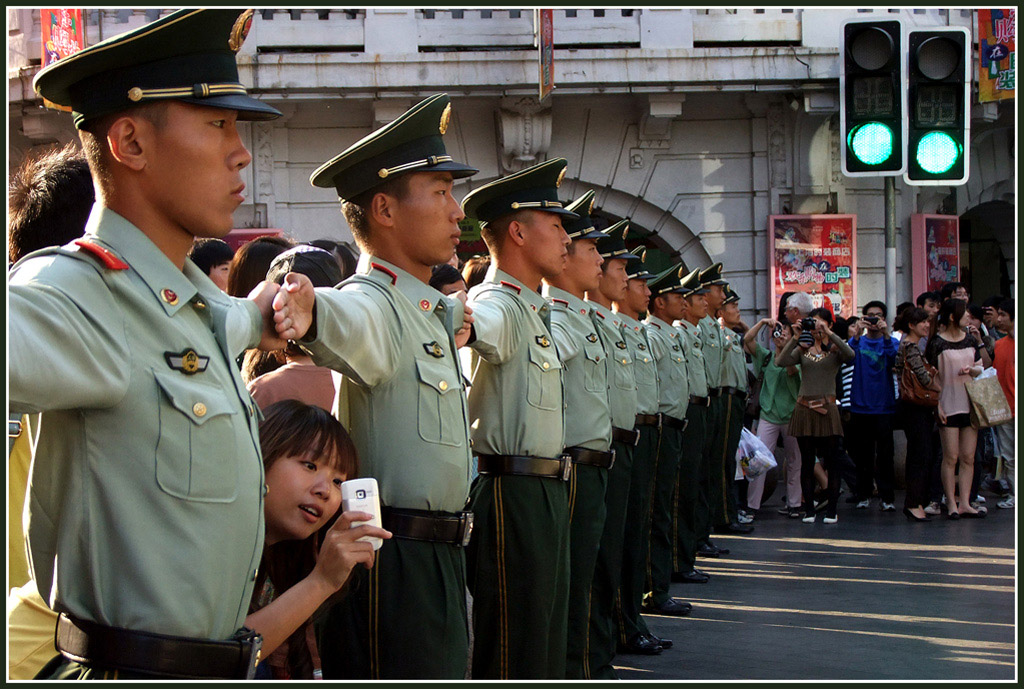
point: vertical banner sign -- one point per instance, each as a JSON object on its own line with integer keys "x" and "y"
{"x": 935, "y": 247}
{"x": 997, "y": 54}
{"x": 544, "y": 23}
{"x": 63, "y": 34}
{"x": 816, "y": 254}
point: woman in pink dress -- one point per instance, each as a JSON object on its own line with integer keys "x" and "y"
{"x": 955, "y": 354}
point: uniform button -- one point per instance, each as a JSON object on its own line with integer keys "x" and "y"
{"x": 625, "y": 361}
{"x": 199, "y": 409}
{"x": 254, "y": 572}
{"x": 546, "y": 365}
{"x": 199, "y": 303}
{"x": 443, "y": 385}
{"x": 266, "y": 489}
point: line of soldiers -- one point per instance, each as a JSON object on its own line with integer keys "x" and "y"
{"x": 605, "y": 446}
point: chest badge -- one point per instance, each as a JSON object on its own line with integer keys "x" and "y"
{"x": 592, "y": 337}
{"x": 642, "y": 347}
{"x": 433, "y": 349}
{"x": 675, "y": 348}
{"x": 188, "y": 362}
{"x": 620, "y": 345}
{"x": 543, "y": 340}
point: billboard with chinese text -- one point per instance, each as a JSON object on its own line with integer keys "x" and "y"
{"x": 935, "y": 251}
{"x": 816, "y": 254}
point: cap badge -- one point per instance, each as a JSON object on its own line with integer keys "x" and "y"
{"x": 433, "y": 349}
{"x": 240, "y": 30}
{"x": 446, "y": 116}
{"x": 188, "y": 362}
{"x": 590, "y": 208}
{"x": 561, "y": 176}
{"x": 543, "y": 340}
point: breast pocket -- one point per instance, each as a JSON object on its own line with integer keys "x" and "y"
{"x": 595, "y": 371}
{"x": 439, "y": 415}
{"x": 544, "y": 379}
{"x": 196, "y": 453}
{"x": 622, "y": 371}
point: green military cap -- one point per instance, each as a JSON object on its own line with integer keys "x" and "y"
{"x": 730, "y": 295}
{"x": 636, "y": 270}
{"x": 411, "y": 143}
{"x": 692, "y": 284}
{"x": 613, "y": 245}
{"x": 535, "y": 188}
{"x": 712, "y": 275}
{"x": 668, "y": 281}
{"x": 583, "y": 226}
{"x": 188, "y": 55}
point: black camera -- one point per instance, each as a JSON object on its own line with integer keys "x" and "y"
{"x": 871, "y": 320}
{"x": 807, "y": 324}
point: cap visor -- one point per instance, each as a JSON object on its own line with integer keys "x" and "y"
{"x": 591, "y": 234}
{"x": 557, "y": 211}
{"x": 248, "y": 108}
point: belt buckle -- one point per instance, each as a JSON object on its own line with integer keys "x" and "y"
{"x": 686, "y": 422}
{"x": 566, "y": 466}
{"x": 612, "y": 462}
{"x": 252, "y": 644}
{"x": 636, "y": 437}
{"x": 661, "y": 419}
{"x": 466, "y": 521}
{"x": 14, "y": 428}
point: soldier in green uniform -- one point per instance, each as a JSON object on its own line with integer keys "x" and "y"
{"x": 734, "y": 391}
{"x": 622, "y": 392}
{"x": 519, "y": 555}
{"x": 145, "y": 515}
{"x": 633, "y": 635}
{"x": 665, "y": 306}
{"x": 588, "y": 423}
{"x": 392, "y": 337}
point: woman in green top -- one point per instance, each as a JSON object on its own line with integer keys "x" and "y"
{"x": 815, "y": 421}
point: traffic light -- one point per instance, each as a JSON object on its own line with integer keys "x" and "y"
{"x": 939, "y": 112}
{"x": 872, "y": 98}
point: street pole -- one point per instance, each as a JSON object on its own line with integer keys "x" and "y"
{"x": 890, "y": 247}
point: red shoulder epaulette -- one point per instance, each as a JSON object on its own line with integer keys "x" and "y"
{"x": 389, "y": 273}
{"x": 563, "y": 302}
{"x": 517, "y": 288}
{"x": 106, "y": 257}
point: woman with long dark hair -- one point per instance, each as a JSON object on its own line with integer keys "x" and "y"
{"x": 918, "y": 420}
{"x": 954, "y": 353}
{"x": 815, "y": 422}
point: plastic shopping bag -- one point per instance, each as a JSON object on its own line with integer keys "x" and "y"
{"x": 753, "y": 456}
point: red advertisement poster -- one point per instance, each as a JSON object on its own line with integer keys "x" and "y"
{"x": 935, "y": 249}
{"x": 546, "y": 48}
{"x": 816, "y": 254}
{"x": 997, "y": 54}
{"x": 63, "y": 34}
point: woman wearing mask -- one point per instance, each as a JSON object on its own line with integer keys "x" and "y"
{"x": 815, "y": 422}
{"x": 956, "y": 356}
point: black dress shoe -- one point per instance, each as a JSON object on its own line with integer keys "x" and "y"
{"x": 708, "y": 551}
{"x": 721, "y": 550}
{"x": 734, "y": 528}
{"x": 664, "y": 643}
{"x": 692, "y": 577}
{"x": 640, "y": 645}
{"x": 669, "y": 607}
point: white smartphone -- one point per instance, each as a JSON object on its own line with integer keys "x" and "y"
{"x": 361, "y": 495}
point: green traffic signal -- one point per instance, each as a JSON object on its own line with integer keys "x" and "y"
{"x": 871, "y": 143}
{"x": 937, "y": 152}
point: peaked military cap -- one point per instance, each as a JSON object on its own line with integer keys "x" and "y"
{"x": 692, "y": 285}
{"x": 613, "y": 244}
{"x": 410, "y": 143}
{"x": 535, "y": 188}
{"x": 636, "y": 270}
{"x": 668, "y": 281}
{"x": 583, "y": 226}
{"x": 730, "y": 295}
{"x": 712, "y": 275}
{"x": 188, "y": 55}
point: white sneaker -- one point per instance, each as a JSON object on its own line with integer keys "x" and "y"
{"x": 830, "y": 520}
{"x": 863, "y": 504}
{"x": 933, "y": 509}
{"x": 888, "y": 507}
{"x": 981, "y": 499}
{"x": 1006, "y": 504}
{"x": 744, "y": 518}
{"x": 809, "y": 519}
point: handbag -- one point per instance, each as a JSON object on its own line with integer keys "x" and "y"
{"x": 915, "y": 392}
{"x": 988, "y": 403}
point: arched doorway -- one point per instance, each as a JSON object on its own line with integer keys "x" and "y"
{"x": 986, "y": 249}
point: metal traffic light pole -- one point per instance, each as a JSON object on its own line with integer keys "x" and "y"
{"x": 890, "y": 247}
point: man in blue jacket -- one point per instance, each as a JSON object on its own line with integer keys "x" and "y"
{"x": 872, "y": 404}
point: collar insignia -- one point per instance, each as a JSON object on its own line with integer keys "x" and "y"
{"x": 188, "y": 361}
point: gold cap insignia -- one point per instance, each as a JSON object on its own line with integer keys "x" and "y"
{"x": 590, "y": 208}
{"x": 240, "y": 30}
{"x": 446, "y": 116}
{"x": 643, "y": 255}
{"x": 561, "y": 176}
{"x": 625, "y": 232}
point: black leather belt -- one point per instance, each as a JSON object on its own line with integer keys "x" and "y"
{"x": 171, "y": 656}
{"x": 519, "y": 465}
{"x": 700, "y": 401}
{"x": 648, "y": 420}
{"x": 626, "y": 436}
{"x": 673, "y": 422}
{"x": 423, "y": 525}
{"x": 714, "y": 392}
{"x": 594, "y": 458}
{"x": 730, "y": 390}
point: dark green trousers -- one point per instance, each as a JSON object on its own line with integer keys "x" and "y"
{"x": 734, "y": 406}
{"x": 689, "y": 499}
{"x": 587, "y": 512}
{"x": 715, "y": 515}
{"x": 608, "y": 570}
{"x": 403, "y": 619}
{"x": 519, "y": 576}
{"x": 61, "y": 668}
{"x": 660, "y": 561}
{"x": 636, "y": 538}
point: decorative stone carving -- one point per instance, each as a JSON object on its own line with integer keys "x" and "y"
{"x": 837, "y": 163}
{"x": 777, "y": 167}
{"x": 524, "y": 132}
{"x": 263, "y": 144}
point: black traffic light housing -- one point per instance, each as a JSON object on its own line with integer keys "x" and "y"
{"x": 939, "y": 110}
{"x": 872, "y": 98}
